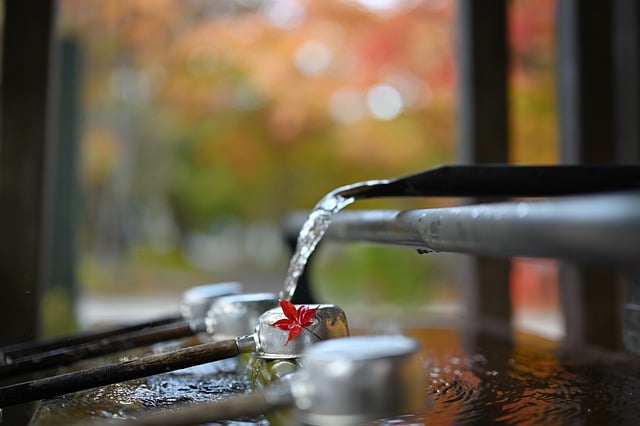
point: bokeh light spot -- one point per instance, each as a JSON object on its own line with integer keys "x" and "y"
{"x": 313, "y": 57}
{"x": 384, "y": 102}
{"x": 347, "y": 105}
{"x": 285, "y": 14}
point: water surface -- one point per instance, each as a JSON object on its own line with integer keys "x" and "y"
{"x": 470, "y": 380}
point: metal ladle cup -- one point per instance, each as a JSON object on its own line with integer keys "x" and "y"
{"x": 267, "y": 341}
{"x": 330, "y": 322}
{"x": 237, "y": 315}
{"x": 350, "y": 381}
{"x": 344, "y": 381}
{"x": 196, "y": 301}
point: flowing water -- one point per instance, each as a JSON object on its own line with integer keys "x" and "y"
{"x": 315, "y": 227}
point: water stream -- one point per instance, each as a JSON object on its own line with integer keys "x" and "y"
{"x": 315, "y": 227}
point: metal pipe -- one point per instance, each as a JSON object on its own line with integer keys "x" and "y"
{"x": 597, "y": 228}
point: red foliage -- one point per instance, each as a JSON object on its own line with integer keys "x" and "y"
{"x": 296, "y": 319}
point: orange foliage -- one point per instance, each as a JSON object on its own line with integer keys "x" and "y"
{"x": 254, "y": 94}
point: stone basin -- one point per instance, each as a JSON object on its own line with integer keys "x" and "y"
{"x": 471, "y": 379}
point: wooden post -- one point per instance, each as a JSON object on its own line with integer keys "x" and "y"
{"x": 588, "y": 294}
{"x": 25, "y": 100}
{"x": 626, "y": 41}
{"x": 60, "y": 257}
{"x": 26, "y": 59}
{"x": 482, "y": 57}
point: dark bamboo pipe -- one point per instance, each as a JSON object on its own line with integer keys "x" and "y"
{"x": 499, "y": 180}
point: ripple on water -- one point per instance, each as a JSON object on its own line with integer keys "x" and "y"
{"x": 527, "y": 388}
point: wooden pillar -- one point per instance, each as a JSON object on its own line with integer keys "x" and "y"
{"x": 626, "y": 64}
{"x": 26, "y": 52}
{"x": 586, "y": 100}
{"x": 626, "y": 74}
{"x": 585, "y": 81}
{"x": 63, "y": 177}
{"x": 483, "y": 138}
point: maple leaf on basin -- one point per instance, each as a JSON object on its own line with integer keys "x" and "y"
{"x": 296, "y": 319}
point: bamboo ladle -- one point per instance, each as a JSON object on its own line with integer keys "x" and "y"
{"x": 266, "y": 342}
{"x": 194, "y": 305}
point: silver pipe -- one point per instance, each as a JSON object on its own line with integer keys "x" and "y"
{"x": 597, "y": 228}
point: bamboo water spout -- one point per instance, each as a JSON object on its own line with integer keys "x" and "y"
{"x": 498, "y": 180}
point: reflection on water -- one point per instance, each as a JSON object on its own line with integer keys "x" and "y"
{"x": 489, "y": 381}
{"x": 470, "y": 380}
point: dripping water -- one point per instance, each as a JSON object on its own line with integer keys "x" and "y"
{"x": 316, "y": 225}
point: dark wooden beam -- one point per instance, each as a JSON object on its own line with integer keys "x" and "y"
{"x": 482, "y": 69}
{"x": 27, "y": 41}
{"x": 585, "y": 81}
{"x": 483, "y": 125}
{"x": 586, "y": 100}
{"x": 626, "y": 40}
{"x": 63, "y": 177}
{"x": 626, "y": 61}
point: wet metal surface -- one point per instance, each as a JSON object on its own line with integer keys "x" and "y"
{"x": 470, "y": 380}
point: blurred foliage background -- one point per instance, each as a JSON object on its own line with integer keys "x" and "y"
{"x": 205, "y": 122}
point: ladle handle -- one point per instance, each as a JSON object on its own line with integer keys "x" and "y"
{"x": 118, "y": 372}
{"x": 498, "y": 180}
{"x": 19, "y": 350}
{"x": 69, "y": 355}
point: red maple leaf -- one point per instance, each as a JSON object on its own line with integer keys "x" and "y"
{"x": 296, "y": 319}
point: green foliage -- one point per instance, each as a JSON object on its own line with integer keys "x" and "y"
{"x": 57, "y": 313}
{"x": 145, "y": 270}
{"x": 197, "y": 194}
{"x": 372, "y": 275}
